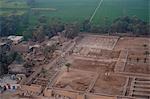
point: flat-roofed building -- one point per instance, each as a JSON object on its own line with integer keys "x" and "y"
{"x": 15, "y": 39}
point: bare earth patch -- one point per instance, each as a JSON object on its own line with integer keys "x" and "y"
{"x": 74, "y": 80}
{"x": 111, "y": 85}
{"x": 90, "y": 65}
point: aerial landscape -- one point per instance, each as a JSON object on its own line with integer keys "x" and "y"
{"x": 74, "y": 49}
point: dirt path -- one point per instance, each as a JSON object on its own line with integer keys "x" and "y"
{"x": 94, "y": 13}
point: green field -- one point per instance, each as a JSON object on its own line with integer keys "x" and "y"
{"x": 114, "y": 8}
{"x": 13, "y": 4}
{"x": 67, "y": 10}
{"x": 79, "y": 10}
{"x": 17, "y": 7}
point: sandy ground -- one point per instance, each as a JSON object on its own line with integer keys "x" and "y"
{"x": 93, "y": 65}
{"x": 132, "y": 43}
{"x": 83, "y": 70}
{"x": 112, "y": 85}
{"x": 74, "y": 80}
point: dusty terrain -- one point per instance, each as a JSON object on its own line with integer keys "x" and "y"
{"x": 109, "y": 85}
{"x": 94, "y": 66}
{"x": 74, "y": 80}
{"x": 106, "y": 66}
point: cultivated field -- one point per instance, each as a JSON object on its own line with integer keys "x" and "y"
{"x": 8, "y": 4}
{"x": 17, "y": 7}
{"x": 111, "y": 9}
{"x": 78, "y": 10}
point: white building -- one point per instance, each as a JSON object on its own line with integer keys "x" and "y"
{"x": 15, "y": 39}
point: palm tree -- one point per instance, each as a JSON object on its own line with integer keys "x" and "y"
{"x": 146, "y": 53}
{"x": 145, "y": 45}
{"x": 145, "y": 60}
{"x": 68, "y": 66}
{"x": 137, "y": 59}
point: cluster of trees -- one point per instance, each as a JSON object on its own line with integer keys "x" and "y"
{"x": 71, "y": 30}
{"x": 123, "y": 24}
{"x": 6, "y": 58}
{"x": 130, "y": 24}
{"x": 43, "y": 28}
{"x": 13, "y": 24}
{"x": 10, "y": 25}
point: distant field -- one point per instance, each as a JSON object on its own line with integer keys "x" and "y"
{"x": 115, "y": 8}
{"x": 9, "y": 7}
{"x": 9, "y": 12}
{"x": 78, "y": 10}
{"x": 13, "y": 4}
{"x": 68, "y": 10}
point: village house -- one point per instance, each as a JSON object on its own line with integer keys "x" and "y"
{"x": 15, "y": 39}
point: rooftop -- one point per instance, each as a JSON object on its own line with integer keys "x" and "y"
{"x": 15, "y": 37}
